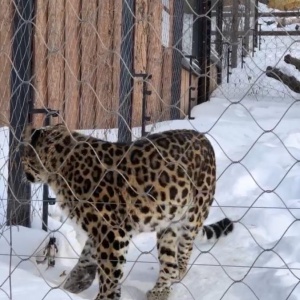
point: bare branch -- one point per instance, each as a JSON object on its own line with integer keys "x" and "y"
{"x": 293, "y": 61}
{"x": 289, "y": 81}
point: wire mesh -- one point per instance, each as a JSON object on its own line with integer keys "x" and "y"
{"x": 96, "y": 62}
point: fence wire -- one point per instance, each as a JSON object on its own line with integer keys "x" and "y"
{"x": 119, "y": 70}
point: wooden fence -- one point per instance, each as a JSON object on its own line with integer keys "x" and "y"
{"x": 76, "y": 60}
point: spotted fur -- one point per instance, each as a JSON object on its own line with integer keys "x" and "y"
{"x": 163, "y": 183}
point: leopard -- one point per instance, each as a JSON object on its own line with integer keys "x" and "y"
{"x": 164, "y": 183}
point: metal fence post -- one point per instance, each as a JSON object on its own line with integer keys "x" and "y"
{"x": 204, "y": 50}
{"x": 219, "y": 37}
{"x": 19, "y": 193}
{"x": 126, "y": 72}
{"x": 235, "y": 33}
{"x": 176, "y": 59}
{"x": 255, "y": 41}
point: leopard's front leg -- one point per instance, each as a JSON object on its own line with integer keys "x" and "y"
{"x": 111, "y": 257}
{"x": 83, "y": 274}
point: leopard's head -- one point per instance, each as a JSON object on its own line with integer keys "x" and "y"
{"x": 39, "y": 145}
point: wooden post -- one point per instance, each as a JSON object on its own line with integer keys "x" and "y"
{"x": 140, "y": 58}
{"x": 6, "y": 17}
{"x": 117, "y": 23}
{"x": 154, "y": 61}
{"x": 72, "y": 63}
{"x": 170, "y": 52}
{"x": 56, "y": 65}
{"x": 104, "y": 63}
{"x": 40, "y": 59}
{"x": 88, "y": 63}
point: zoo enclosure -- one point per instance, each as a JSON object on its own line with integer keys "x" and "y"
{"x": 77, "y": 65}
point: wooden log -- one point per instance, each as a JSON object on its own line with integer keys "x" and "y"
{"x": 56, "y": 64}
{"x": 154, "y": 61}
{"x": 165, "y": 104}
{"x": 117, "y": 23}
{"x": 40, "y": 60}
{"x": 104, "y": 84}
{"x": 88, "y": 63}
{"x": 72, "y": 63}
{"x": 5, "y": 55}
{"x": 289, "y": 81}
{"x": 293, "y": 61}
{"x": 140, "y": 59}
{"x": 184, "y": 91}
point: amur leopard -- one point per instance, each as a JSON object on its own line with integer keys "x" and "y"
{"x": 164, "y": 182}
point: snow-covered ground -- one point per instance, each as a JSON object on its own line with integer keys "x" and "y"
{"x": 256, "y": 136}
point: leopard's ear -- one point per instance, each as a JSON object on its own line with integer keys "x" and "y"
{"x": 35, "y": 135}
{"x": 31, "y": 135}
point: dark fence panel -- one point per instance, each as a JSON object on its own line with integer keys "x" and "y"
{"x": 21, "y": 102}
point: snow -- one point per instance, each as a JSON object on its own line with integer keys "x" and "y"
{"x": 253, "y": 123}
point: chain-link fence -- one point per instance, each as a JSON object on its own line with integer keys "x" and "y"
{"x": 121, "y": 70}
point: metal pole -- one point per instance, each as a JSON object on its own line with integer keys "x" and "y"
{"x": 208, "y": 49}
{"x": 176, "y": 59}
{"x": 219, "y": 39}
{"x": 256, "y": 23}
{"x": 19, "y": 193}
{"x": 204, "y": 50}
{"x": 235, "y": 33}
{"x": 126, "y": 71}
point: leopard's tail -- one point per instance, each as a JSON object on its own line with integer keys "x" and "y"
{"x": 214, "y": 231}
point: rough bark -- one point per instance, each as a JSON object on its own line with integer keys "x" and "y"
{"x": 289, "y": 81}
{"x": 293, "y": 61}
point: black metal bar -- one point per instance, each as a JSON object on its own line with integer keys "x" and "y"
{"x": 208, "y": 49}
{"x": 243, "y": 52}
{"x": 176, "y": 59}
{"x": 45, "y": 191}
{"x": 144, "y": 100}
{"x": 190, "y": 57}
{"x": 19, "y": 192}
{"x": 126, "y": 71}
{"x": 204, "y": 49}
{"x": 264, "y": 33}
{"x": 279, "y": 33}
{"x": 255, "y": 37}
{"x": 234, "y": 35}
{"x": 229, "y": 51}
{"x": 253, "y": 42}
{"x": 144, "y": 105}
{"x": 279, "y": 14}
{"x": 48, "y": 112}
{"x": 219, "y": 38}
{"x": 228, "y": 14}
{"x": 259, "y": 37}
